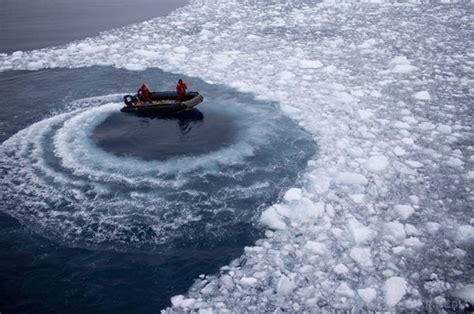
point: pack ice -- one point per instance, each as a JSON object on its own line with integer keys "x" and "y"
{"x": 382, "y": 218}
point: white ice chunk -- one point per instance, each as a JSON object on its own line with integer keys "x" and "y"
{"x": 399, "y": 60}
{"x": 445, "y": 129}
{"x": 302, "y": 211}
{"x": 344, "y": 97}
{"x": 411, "y": 230}
{"x": 286, "y": 75}
{"x": 181, "y": 50}
{"x": 272, "y": 219}
{"x": 329, "y": 69}
{"x": 404, "y": 211}
{"x": 315, "y": 247}
{"x": 351, "y": 178}
{"x": 17, "y": 54}
{"x": 362, "y": 256}
{"x": 398, "y": 249}
{"x": 367, "y": 295}
{"x": 377, "y": 163}
{"x": 181, "y": 301}
{"x": 226, "y": 281}
{"x": 365, "y": 113}
{"x": 357, "y": 198}
{"x": 466, "y": 293}
{"x": 293, "y": 194}
{"x": 433, "y": 227}
{"x": 310, "y": 64}
{"x": 375, "y": 94}
{"x": 319, "y": 182}
{"x": 395, "y": 230}
{"x": 285, "y": 286}
{"x": 470, "y": 175}
{"x": 399, "y": 151}
{"x": 466, "y": 233}
{"x": 403, "y": 68}
{"x": 394, "y": 288}
{"x": 454, "y": 162}
{"x": 402, "y": 125}
{"x": 248, "y": 281}
{"x": 360, "y": 233}
{"x": 423, "y": 95}
{"x": 368, "y": 43}
{"x": 340, "y": 269}
{"x": 414, "y": 163}
{"x": 410, "y": 120}
{"x": 426, "y": 126}
{"x": 344, "y": 290}
{"x": 408, "y": 141}
{"x": 413, "y": 242}
{"x": 357, "y": 93}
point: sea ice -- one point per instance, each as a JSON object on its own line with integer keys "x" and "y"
{"x": 360, "y": 233}
{"x": 344, "y": 290}
{"x": 454, "y": 162}
{"x": 404, "y": 211}
{"x": 403, "y": 68}
{"x": 340, "y": 269}
{"x": 395, "y": 230}
{"x": 445, "y": 129}
{"x": 310, "y": 64}
{"x": 285, "y": 286}
{"x": 399, "y": 151}
{"x": 293, "y": 194}
{"x": 377, "y": 163}
{"x": 315, "y": 247}
{"x": 423, "y": 95}
{"x": 362, "y": 256}
{"x": 272, "y": 219}
{"x": 466, "y": 293}
{"x": 351, "y": 178}
{"x": 367, "y": 295}
{"x": 395, "y": 289}
{"x": 248, "y": 281}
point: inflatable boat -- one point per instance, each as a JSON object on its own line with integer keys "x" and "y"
{"x": 162, "y": 103}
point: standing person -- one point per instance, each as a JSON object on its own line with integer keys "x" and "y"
{"x": 144, "y": 93}
{"x": 181, "y": 90}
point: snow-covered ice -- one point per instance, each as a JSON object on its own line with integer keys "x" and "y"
{"x": 386, "y": 90}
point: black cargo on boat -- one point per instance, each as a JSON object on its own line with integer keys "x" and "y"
{"x": 162, "y": 103}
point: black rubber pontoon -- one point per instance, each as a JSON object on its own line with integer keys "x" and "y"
{"x": 163, "y": 103}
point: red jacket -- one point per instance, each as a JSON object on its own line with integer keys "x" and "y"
{"x": 181, "y": 87}
{"x": 144, "y": 90}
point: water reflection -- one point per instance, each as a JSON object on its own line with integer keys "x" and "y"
{"x": 186, "y": 120}
{"x": 159, "y": 137}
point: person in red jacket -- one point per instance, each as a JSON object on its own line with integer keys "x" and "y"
{"x": 181, "y": 90}
{"x": 144, "y": 93}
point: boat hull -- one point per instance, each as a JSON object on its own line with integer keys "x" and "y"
{"x": 163, "y": 103}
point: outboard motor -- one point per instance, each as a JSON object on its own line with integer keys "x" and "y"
{"x": 129, "y": 100}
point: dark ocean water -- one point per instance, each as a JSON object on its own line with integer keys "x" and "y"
{"x": 27, "y": 25}
{"x": 75, "y": 238}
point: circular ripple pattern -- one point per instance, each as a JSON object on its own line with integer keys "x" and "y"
{"x": 61, "y": 179}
